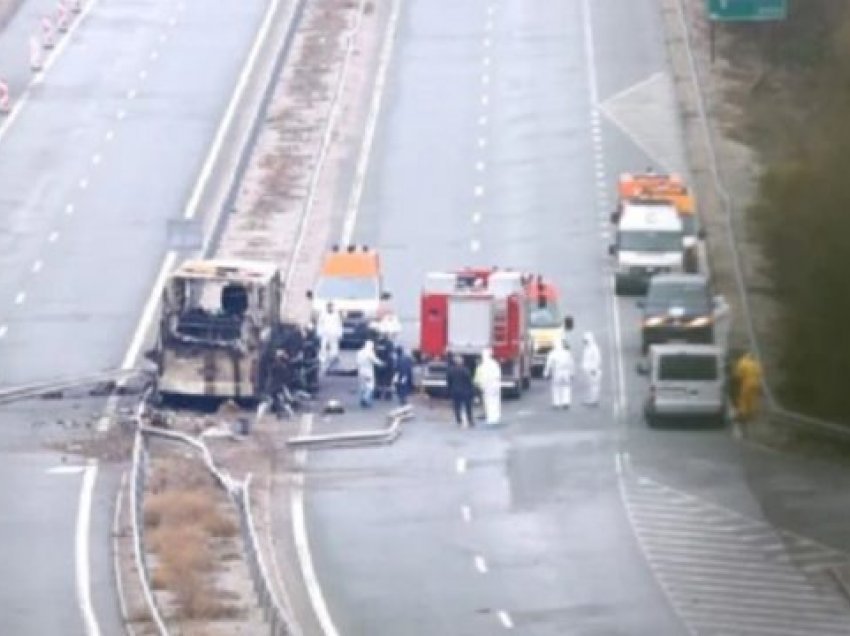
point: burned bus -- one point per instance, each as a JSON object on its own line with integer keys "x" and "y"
{"x": 219, "y": 321}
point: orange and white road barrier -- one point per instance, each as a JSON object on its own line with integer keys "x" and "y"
{"x": 5, "y": 102}
{"x": 36, "y": 56}
{"x": 63, "y": 17}
{"x": 48, "y": 32}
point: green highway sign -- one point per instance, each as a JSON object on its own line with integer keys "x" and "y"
{"x": 747, "y": 10}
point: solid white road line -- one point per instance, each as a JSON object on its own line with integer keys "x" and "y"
{"x": 371, "y": 126}
{"x": 302, "y": 542}
{"x": 191, "y": 210}
{"x": 65, "y": 470}
{"x": 149, "y": 313}
{"x": 82, "y": 551}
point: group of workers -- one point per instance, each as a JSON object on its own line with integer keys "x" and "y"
{"x": 486, "y": 381}
{"x": 385, "y": 369}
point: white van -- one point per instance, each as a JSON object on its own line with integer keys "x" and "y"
{"x": 687, "y": 383}
{"x": 649, "y": 241}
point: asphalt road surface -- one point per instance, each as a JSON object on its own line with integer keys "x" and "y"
{"x": 504, "y": 127}
{"x": 104, "y": 152}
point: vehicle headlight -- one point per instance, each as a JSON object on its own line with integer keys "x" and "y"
{"x": 653, "y": 321}
{"x": 701, "y": 321}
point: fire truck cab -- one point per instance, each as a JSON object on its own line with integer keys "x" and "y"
{"x": 466, "y": 311}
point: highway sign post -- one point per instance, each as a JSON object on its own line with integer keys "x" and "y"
{"x": 744, "y": 11}
{"x": 747, "y": 10}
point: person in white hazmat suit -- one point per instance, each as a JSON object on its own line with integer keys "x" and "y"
{"x": 366, "y": 363}
{"x": 329, "y": 330}
{"x": 559, "y": 369}
{"x": 591, "y": 366}
{"x": 488, "y": 378}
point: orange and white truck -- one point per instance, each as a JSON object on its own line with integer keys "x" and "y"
{"x": 351, "y": 279}
{"x": 652, "y": 187}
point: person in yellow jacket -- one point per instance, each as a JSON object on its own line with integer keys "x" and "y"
{"x": 748, "y": 376}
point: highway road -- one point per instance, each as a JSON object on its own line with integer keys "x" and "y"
{"x": 504, "y": 127}
{"x": 102, "y": 154}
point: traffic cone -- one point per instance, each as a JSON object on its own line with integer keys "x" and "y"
{"x": 48, "y": 32}
{"x": 35, "y": 54}
{"x": 5, "y": 105}
{"x": 63, "y": 17}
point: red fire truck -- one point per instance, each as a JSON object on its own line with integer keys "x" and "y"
{"x": 463, "y": 312}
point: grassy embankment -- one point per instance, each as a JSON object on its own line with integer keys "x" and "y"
{"x": 798, "y": 117}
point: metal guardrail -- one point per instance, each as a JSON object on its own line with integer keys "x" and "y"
{"x": 781, "y": 413}
{"x": 138, "y": 479}
{"x": 239, "y": 493}
{"x": 279, "y": 622}
{"x": 40, "y": 389}
{"x": 386, "y": 435}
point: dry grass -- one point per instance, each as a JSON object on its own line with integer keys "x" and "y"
{"x": 184, "y": 518}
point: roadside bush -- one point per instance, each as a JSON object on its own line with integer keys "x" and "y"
{"x": 803, "y": 212}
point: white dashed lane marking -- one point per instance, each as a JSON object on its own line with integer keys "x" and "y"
{"x": 36, "y": 267}
{"x": 505, "y": 620}
{"x": 84, "y": 183}
{"x": 69, "y": 209}
{"x": 121, "y": 114}
{"x": 460, "y": 465}
{"x": 466, "y": 513}
{"x": 54, "y": 236}
{"x": 20, "y": 298}
{"x": 3, "y": 331}
{"x": 110, "y": 135}
{"x": 481, "y": 564}
{"x": 726, "y": 573}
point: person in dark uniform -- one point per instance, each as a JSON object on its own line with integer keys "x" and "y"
{"x": 403, "y": 375}
{"x": 385, "y": 352}
{"x": 461, "y": 390}
{"x": 280, "y": 374}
